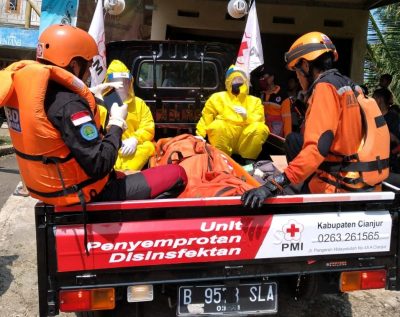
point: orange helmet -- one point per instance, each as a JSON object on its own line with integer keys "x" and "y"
{"x": 59, "y": 44}
{"x": 309, "y": 47}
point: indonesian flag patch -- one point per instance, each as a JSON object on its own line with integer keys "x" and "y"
{"x": 80, "y": 118}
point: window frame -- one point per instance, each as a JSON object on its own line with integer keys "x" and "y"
{"x": 165, "y": 61}
{"x": 17, "y": 9}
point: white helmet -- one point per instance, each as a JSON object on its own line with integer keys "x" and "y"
{"x": 114, "y": 7}
{"x": 237, "y": 8}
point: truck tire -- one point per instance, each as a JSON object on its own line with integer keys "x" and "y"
{"x": 309, "y": 287}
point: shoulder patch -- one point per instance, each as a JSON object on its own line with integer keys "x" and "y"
{"x": 89, "y": 131}
{"x": 13, "y": 119}
{"x": 80, "y": 117}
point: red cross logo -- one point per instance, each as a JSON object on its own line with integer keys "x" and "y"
{"x": 243, "y": 46}
{"x": 292, "y": 230}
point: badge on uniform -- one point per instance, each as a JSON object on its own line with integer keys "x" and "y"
{"x": 89, "y": 131}
{"x": 80, "y": 117}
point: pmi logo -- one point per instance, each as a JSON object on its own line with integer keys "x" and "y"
{"x": 290, "y": 236}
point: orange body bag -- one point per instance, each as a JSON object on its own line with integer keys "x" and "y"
{"x": 211, "y": 173}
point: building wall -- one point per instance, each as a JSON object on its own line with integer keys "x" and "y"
{"x": 211, "y": 20}
{"x": 17, "y": 16}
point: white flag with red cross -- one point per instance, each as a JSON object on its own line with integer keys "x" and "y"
{"x": 96, "y": 30}
{"x": 250, "y": 54}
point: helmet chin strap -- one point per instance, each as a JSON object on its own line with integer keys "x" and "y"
{"x": 310, "y": 78}
{"x": 308, "y": 75}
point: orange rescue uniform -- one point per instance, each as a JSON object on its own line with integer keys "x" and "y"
{"x": 277, "y": 112}
{"x": 333, "y": 127}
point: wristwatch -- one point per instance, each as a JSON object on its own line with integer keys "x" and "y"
{"x": 276, "y": 184}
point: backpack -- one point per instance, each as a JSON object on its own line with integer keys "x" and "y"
{"x": 211, "y": 173}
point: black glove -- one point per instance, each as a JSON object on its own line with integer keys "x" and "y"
{"x": 255, "y": 197}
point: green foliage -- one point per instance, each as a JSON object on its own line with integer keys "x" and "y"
{"x": 383, "y": 50}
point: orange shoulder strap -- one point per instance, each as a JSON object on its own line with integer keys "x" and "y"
{"x": 6, "y": 80}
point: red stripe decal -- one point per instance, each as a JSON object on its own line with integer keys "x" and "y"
{"x": 168, "y": 203}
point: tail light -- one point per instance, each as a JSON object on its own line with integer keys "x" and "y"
{"x": 361, "y": 280}
{"x": 87, "y": 299}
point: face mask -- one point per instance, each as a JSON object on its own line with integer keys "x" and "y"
{"x": 236, "y": 88}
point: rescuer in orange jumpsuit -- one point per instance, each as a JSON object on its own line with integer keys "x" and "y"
{"x": 276, "y": 106}
{"x": 333, "y": 129}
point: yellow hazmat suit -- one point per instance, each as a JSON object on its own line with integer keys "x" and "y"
{"x": 140, "y": 125}
{"x": 233, "y": 123}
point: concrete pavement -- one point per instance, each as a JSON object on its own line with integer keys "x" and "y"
{"x": 18, "y": 277}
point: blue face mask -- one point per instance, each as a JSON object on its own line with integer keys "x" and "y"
{"x": 236, "y": 88}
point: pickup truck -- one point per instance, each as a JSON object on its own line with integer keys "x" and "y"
{"x": 207, "y": 256}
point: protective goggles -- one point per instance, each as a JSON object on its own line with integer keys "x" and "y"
{"x": 119, "y": 76}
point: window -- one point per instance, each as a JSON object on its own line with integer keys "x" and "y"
{"x": 177, "y": 74}
{"x": 12, "y": 6}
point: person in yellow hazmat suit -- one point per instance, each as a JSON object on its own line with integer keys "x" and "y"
{"x": 137, "y": 146}
{"x": 233, "y": 120}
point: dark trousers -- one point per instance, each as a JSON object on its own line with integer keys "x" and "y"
{"x": 293, "y": 145}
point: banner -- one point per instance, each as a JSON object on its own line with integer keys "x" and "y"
{"x": 58, "y": 12}
{"x": 96, "y": 30}
{"x": 18, "y": 37}
{"x": 222, "y": 239}
{"x": 250, "y": 54}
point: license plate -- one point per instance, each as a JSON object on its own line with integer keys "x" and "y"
{"x": 243, "y": 299}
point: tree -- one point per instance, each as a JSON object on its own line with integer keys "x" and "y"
{"x": 383, "y": 48}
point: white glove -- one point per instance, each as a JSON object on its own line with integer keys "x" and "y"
{"x": 97, "y": 91}
{"x": 118, "y": 115}
{"x": 129, "y": 146}
{"x": 240, "y": 110}
{"x": 200, "y": 138}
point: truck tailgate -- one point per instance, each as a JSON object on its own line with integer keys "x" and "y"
{"x": 190, "y": 231}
